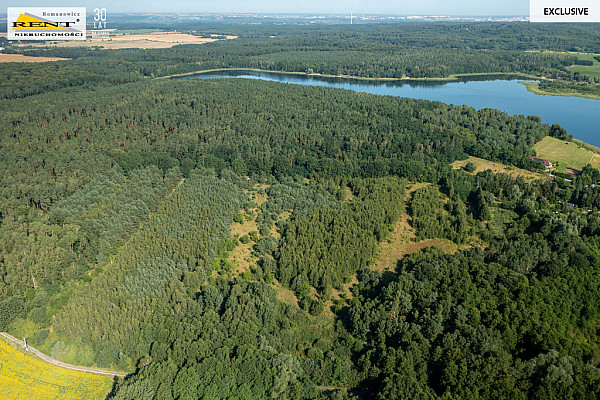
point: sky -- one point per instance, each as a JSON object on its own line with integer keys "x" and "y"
{"x": 402, "y": 7}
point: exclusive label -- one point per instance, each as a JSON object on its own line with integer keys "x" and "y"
{"x": 564, "y": 11}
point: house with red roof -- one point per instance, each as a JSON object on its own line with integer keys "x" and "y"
{"x": 545, "y": 163}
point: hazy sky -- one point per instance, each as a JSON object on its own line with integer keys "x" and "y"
{"x": 418, "y": 7}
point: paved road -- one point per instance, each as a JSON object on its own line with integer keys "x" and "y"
{"x": 58, "y": 363}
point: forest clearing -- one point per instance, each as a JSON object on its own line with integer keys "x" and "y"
{"x": 496, "y": 167}
{"x": 568, "y": 154}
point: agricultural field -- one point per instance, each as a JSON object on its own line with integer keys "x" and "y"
{"x": 590, "y": 70}
{"x": 6, "y": 58}
{"x": 154, "y": 40}
{"x": 484, "y": 165}
{"x": 25, "y": 377}
{"x": 567, "y": 154}
{"x": 593, "y": 70}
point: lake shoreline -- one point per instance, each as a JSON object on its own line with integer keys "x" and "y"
{"x": 451, "y": 78}
{"x": 579, "y": 116}
{"x": 533, "y": 87}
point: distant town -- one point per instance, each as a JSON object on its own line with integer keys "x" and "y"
{"x": 342, "y": 18}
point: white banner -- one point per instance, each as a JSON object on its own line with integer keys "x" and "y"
{"x": 564, "y": 10}
{"x": 46, "y": 23}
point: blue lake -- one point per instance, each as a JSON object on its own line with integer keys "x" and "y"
{"x": 579, "y": 116}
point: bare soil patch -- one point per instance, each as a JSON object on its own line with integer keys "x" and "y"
{"x": 6, "y": 58}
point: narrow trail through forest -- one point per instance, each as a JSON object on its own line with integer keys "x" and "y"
{"x": 52, "y": 361}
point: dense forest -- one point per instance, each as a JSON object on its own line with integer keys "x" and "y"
{"x": 121, "y": 207}
{"x": 415, "y": 50}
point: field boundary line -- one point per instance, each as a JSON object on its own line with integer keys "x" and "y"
{"x": 53, "y": 361}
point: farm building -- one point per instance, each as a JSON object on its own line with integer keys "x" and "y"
{"x": 546, "y": 163}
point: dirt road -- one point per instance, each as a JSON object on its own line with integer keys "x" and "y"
{"x": 58, "y": 363}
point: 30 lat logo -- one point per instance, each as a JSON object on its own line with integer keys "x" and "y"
{"x": 100, "y": 31}
{"x": 46, "y": 23}
{"x": 99, "y": 18}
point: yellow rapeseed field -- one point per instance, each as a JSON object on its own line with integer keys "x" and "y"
{"x": 26, "y": 378}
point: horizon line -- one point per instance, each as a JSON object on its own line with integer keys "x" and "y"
{"x": 299, "y": 13}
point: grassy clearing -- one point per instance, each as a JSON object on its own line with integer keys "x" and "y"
{"x": 25, "y": 377}
{"x": 392, "y": 252}
{"x": 588, "y": 146}
{"x": 338, "y": 297}
{"x": 595, "y": 161}
{"x": 242, "y": 256}
{"x": 534, "y": 87}
{"x": 402, "y": 240}
{"x": 567, "y": 154}
{"x": 285, "y": 295}
{"x": 593, "y": 70}
{"x": 349, "y": 196}
{"x": 589, "y": 70}
{"x": 484, "y": 165}
{"x": 257, "y": 197}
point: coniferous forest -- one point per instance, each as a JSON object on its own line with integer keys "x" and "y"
{"x": 227, "y": 238}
